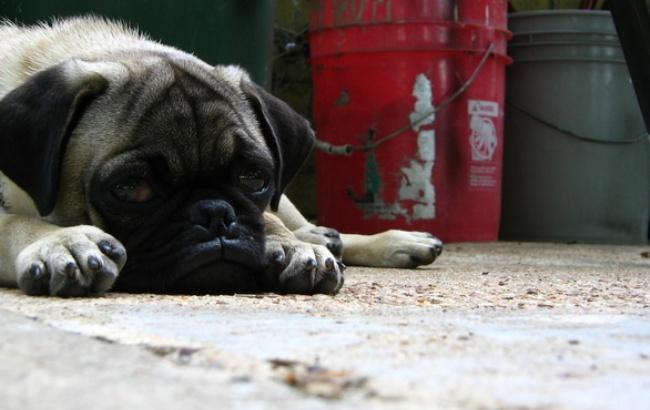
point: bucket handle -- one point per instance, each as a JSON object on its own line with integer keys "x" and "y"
{"x": 552, "y": 126}
{"x": 348, "y": 149}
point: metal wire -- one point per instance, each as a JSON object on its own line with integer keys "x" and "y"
{"x": 552, "y": 126}
{"x": 348, "y": 149}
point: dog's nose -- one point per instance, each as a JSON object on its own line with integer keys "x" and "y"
{"x": 213, "y": 214}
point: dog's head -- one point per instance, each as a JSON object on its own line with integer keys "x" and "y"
{"x": 175, "y": 158}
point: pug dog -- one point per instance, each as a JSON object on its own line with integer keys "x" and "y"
{"x": 126, "y": 164}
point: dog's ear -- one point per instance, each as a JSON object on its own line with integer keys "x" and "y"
{"x": 35, "y": 122}
{"x": 287, "y": 134}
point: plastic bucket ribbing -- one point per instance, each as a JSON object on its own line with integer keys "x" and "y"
{"x": 576, "y": 157}
{"x": 381, "y": 67}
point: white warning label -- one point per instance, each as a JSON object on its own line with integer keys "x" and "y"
{"x": 483, "y": 108}
{"x": 483, "y": 141}
{"x": 483, "y": 134}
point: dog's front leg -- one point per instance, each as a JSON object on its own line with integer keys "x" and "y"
{"x": 44, "y": 259}
{"x": 389, "y": 249}
{"x": 308, "y": 232}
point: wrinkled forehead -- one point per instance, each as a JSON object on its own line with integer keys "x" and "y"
{"x": 195, "y": 112}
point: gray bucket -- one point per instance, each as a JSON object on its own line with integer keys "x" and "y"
{"x": 576, "y": 154}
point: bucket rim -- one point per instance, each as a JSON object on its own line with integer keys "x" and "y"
{"x": 563, "y": 43}
{"x": 500, "y": 57}
{"x": 519, "y": 60}
{"x": 449, "y": 23}
{"x": 565, "y": 12}
{"x": 564, "y": 32}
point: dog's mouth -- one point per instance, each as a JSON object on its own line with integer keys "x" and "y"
{"x": 237, "y": 251}
{"x": 220, "y": 265}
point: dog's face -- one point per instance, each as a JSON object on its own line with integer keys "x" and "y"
{"x": 176, "y": 159}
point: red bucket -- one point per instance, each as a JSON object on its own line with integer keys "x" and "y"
{"x": 415, "y": 96}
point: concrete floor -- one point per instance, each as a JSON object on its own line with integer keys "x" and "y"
{"x": 488, "y": 326}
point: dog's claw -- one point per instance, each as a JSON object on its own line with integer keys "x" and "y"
{"x": 110, "y": 250}
{"x": 105, "y": 247}
{"x": 35, "y": 271}
{"x": 115, "y": 252}
{"x": 278, "y": 257}
{"x": 332, "y": 234}
{"x": 71, "y": 269}
{"x": 94, "y": 263}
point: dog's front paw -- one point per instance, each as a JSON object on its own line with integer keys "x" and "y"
{"x": 299, "y": 267}
{"x": 75, "y": 261}
{"x": 320, "y": 235}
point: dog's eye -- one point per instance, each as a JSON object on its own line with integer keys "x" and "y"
{"x": 133, "y": 190}
{"x": 253, "y": 179}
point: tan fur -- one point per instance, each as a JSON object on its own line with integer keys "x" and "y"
{"x": 27, "y": 50}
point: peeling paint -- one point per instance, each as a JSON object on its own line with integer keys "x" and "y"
{"x": 416, "y": 196}
{"x": 423, "y": 111}
{"x": 426, "y": 145}
{"x": 417, "y": 185}
{"x": 344, "y": 98}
